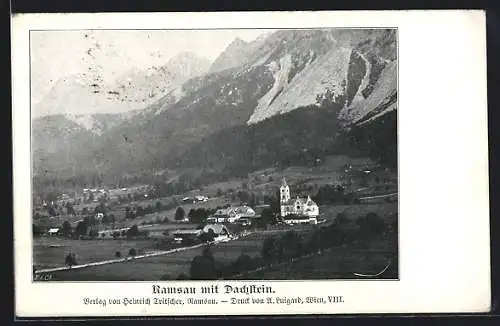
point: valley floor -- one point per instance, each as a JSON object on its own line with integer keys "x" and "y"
{"x": 339, "y": 262}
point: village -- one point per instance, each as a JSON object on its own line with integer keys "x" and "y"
{"x": 104, "y": 226}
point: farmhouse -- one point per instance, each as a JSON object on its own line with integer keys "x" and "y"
{"x": 53, "y": 231}
{"x": 297, "y": 206}
{"x": 233, "y": 214}
{"x": 220, "y": 231}
{"x": 189, "y": 234}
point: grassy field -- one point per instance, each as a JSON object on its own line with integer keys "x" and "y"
{"x": 51, "y": 251}
{"x": 342, "y": 262}
{"x": 153, "y": 268}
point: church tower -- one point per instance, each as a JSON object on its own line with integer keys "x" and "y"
{"x": 284, "y": 197}
{"x": 284, "y": 192}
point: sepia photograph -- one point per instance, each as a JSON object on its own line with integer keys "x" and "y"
{"x": 214, "y": 154}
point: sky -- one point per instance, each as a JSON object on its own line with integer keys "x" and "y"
{"x": 57, "y": 54}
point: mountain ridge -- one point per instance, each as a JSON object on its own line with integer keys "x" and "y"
{"x": 348, "y": 77}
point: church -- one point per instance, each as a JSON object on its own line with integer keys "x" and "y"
{"x": 296, "y": 206}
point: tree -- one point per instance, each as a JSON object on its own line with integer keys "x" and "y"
{"x": 243, "y": 263}
{"x": 69, "y": 209}
{"x": 290, "y": 245}
{"x": 93, "y": 233}
{"x": 118, "y": 254}
{"x": 267, "y": 217}
{"x": 133, "y": 231}
{"x": 81, "y": 228}
{"x": 132, "y": 252}
{"x": 66, "y": 229}
{"x": 108, "y": 219}
{"x": 85, "y": 211}
{"x": 159, "y": 206}
{"x": 139, "y": 211}
{"x": 198, "y": 215}
{"x": 179, "y": 214}
{"x": 51, "y": 210}
{"x": 203, "y": 267}
{"x": 207, "y": 236}
{"x": 70, "y": 259}
{"x": 129, "y": 214}
{"x": 268, "y": 251}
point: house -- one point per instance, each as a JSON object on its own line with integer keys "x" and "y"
{"x": 297, "y": 206}
{"x": 186, "y": 234}
{"x": 201, "y": 198}
{"x": 233, "y": 214}
{"x": 220, "y": 230}
{"x": 53, "y": 231}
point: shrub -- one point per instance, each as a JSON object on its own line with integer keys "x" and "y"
{"x": 118, "y": 254}
{"x": 93, "y": 233}
{"x": 132, "y": 252}
{"x": 70, "y": 259}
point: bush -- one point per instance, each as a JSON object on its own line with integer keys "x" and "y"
{"x": 93, "y": 233}
{"x": 132, "y": 252}
{"x": 118, "y": 254}
{"x": 70, "y": 259}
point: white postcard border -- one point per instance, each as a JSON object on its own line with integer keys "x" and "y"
{"x": 444, "y": 205}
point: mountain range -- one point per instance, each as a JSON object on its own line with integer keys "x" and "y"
{"x": 286, "y": 98}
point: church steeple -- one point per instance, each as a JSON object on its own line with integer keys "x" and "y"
{"x": 284, "y": 192}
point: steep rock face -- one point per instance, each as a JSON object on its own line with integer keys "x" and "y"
{"x": 326, "y": 74}
{"x": 233, "y": 56}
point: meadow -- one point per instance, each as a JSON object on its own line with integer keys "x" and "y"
{"x": 51, "y": 252}
{"x": 154, "y": 268}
